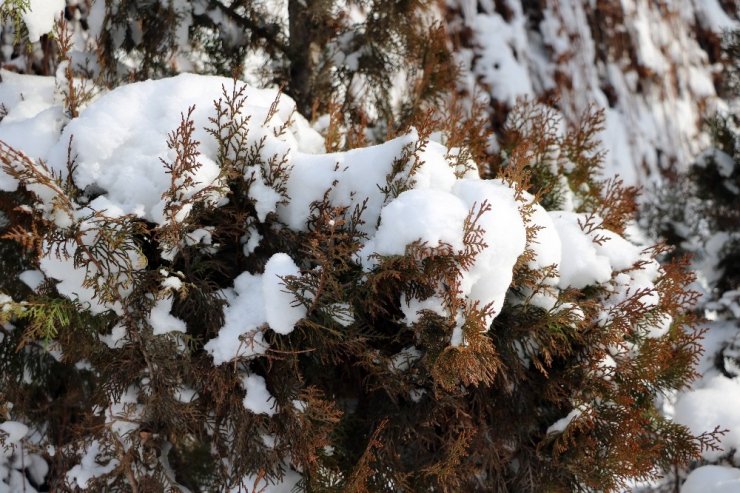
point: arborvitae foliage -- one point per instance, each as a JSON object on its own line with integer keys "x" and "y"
{"x": 549, "y": 387}
{"x": 362, "y": 398}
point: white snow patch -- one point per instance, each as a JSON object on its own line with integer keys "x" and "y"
{"x": 281, "y": 310}
{"x": 15, "y": 431}
{"x": 717, "y": 479}
{"x": 32, "y": 278}
{"x": 244, "y": 313}
{"x": 713, "y": 405}
{"x": 162, "y": 321}
{"x": 41, "y": 17}
{"x": 89, "y": 468}
{"x": 258, "y": 398}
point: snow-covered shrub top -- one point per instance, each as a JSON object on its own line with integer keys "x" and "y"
{"x": 119, "y": 147}
{"x": 163, "y": 191}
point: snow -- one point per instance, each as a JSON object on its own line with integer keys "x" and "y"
{"x": 124, "y": 164}
{"x": 342, "y": 314}
{"x": 717, "y": 479}
{"x": 499, "y": 62}
{"x": 659, "y": 83}
{"x": 581, "y": 264}
{"x": 487, "y": 281}
{"x": 715, "y": 403}
{"x": 115, "y": 338}
{"x": 548, "y": 252}
{"x": 172, "y": 282}
{"x": 124, "y": 414}
{"x": 560, "y": 425}
{"x": 89, "y": 468}
{"x": 244, "y": 313}
{"x": 71, "y": 279}
{"x": 162, "y": 321}
{"x": 403, "y": 360}
{"x": 412, "y": 307}
{"x": 350, "y": 185}
{"x": 125, "y": 160}
{"x": 255, "y": 483}
{"x": 14, "y": 430}
{"x": 428, "y": 216}
{"x": 41, "y": 17}
{"x": 32, "y": 278}
{"x": 257, "y": 398}
{"x": 33, "y": 122}
{"x": 25, "y": 96}
{"x": 713, "y": 17}
{"x": 185, "y": 395}
{"x": 281, "y": 310}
